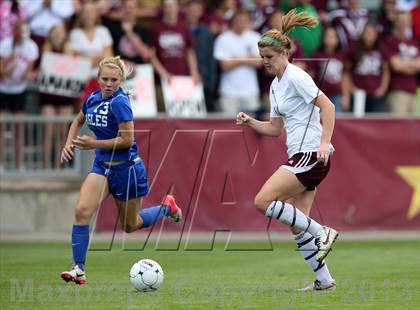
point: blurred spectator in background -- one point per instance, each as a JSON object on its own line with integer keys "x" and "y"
{"x": 113, "y": 10}
{"x": 174, "y": 46}
{"x": 259, "y": 14}
{"x": 10, "y": 12}
{"x": 321, "y": 7}
{"x": 386, "y": 18}
{"x": 349, "y": 22}
{"x": 405, "y": 5}
{"x": 370, "y": 70}
{"x": 173, "y": 42}
{"x": 147, "y": 8}
{"x": 328, "y": 66}
{"x": 403, "y": 53}
{"x": 56, "y": 42}
{"x": 131, "y": 41}
{"x": 237, "y": 52}
{"x": 203, "y": 44}
{"x": 296, "y": 54}
{"x": 17, "y": 57}
{"x": 109, "y": 10}
{"x": 309, "y": 39}
{"x": 92, "y": 40}
{"x": 44, "y": 14}
{"x": 221, "y": 11}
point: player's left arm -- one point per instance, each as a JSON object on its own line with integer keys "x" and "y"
{"x": 123, "y": 141}
{"x": 328, "y": 120}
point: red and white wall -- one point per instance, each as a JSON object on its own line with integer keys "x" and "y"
{"x": 215, "y": 168}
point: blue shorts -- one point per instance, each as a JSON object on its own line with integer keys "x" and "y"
{"x": 126, "y": 181}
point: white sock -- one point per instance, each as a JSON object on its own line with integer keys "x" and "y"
{"x": 308, "y": 249}
{"x": 289, "y": 215}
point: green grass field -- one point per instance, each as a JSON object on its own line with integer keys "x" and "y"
{"x": 369, "y": 275}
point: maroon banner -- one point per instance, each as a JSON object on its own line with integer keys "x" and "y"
{"x": 215, "y": 168}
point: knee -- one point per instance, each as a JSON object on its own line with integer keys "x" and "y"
{"x": 129, "y": 224}
{"x": 82, "y": 214}
{"x": 129, "y": 227}
{"x": 261, "y": 204}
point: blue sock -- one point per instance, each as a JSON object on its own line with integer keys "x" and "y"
{"x": 79, "y": 244}
{"x": 153, "y": 214}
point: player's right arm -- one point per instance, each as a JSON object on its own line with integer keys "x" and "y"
{"x": 67, "y": 152}
{"x": 272, "y": 128}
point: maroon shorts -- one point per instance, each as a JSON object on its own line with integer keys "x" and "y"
{"x": 307, "y": 169}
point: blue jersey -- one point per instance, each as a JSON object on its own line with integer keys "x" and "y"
{"x": 103, "y": 116}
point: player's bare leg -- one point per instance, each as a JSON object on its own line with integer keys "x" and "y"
{"x": 131, "y": 219}
{"x": 128, "y": 214}
{"x": 284, "y": 198}
{"x": 272, "y": 201}
{"x": 94, "y": 190}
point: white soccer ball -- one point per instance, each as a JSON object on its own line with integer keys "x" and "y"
{"x": 146, "y": 275}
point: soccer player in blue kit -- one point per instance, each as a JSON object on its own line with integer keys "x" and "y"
{"x": 117, "y": 168}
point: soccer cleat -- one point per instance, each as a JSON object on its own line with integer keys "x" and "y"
{"x": 75, "y": 275}
{"x": 318, "y": 286}
{"x": 175, "y": 211}
{"x": 324, "y": 240}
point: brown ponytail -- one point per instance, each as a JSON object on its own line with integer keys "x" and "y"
{"x": 278, "y": 39}
{"x": 293, "y": 19}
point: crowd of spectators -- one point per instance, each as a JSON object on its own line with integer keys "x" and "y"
{"x": 376, "y": 50}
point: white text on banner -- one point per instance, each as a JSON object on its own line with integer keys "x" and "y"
{"x": 63, "y": 75}
{"x": 142, "y": 89}
{"x": 183, "y": 97}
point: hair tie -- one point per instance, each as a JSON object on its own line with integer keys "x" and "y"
{"x": 272, "y": 40}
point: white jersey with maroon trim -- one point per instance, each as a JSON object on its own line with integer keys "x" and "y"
{"x": 291, "y": 98}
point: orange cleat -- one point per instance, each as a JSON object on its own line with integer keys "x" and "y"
{"x": 75, "y": 275}
{"x": 175, "y": 211}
